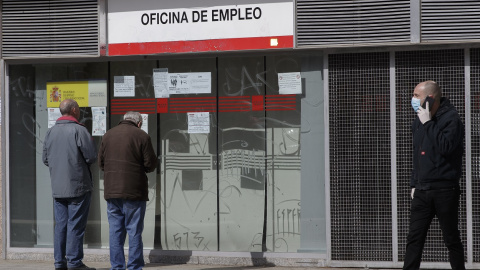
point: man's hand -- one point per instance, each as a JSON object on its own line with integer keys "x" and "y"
{"x": 413, "y": 192}
{"x": 424, "y": 114}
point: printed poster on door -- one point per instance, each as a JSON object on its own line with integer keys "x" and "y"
{"x": 198, "y": 122}
{"x": 99, "y": 121}
{"x": 290, "y": 83}
{"x": 190, "y": 83}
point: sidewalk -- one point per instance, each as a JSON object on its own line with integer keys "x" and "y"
{"x": 42, "y": 265}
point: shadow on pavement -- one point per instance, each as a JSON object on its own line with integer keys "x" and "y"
{"x": 236, "y": 267}
{"x": 200, "y": 267}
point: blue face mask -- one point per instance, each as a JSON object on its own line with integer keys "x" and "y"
{"x": 416, "y": 103}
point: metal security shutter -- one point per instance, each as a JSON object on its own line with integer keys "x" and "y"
{"x": 360, "y": 157}
{"x": 45, "y": 28}
{"x": 475, "y": 148}
{"x": 446, "y": 67}
{"x": 352, "y": 22}
{"x": 450, "y": 20}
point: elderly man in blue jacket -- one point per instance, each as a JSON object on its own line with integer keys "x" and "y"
{"x": 68, "y": 151}
{"x": 437, "y": 167}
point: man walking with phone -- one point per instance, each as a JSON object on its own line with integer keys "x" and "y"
{"x": 437, "y": 167}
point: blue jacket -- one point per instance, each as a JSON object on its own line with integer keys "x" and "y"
{"x": 68, "y": 151}
{"x": 438, "y": 149}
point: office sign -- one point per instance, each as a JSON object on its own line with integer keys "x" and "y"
{"x": 86, "y": 93}
{"x": 155, "y": 28}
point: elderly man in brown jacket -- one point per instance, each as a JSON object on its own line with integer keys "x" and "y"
{"x": 126, "y": 154}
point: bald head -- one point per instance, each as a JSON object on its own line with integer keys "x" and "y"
{"x": 430, "y": 88}
{"x": 70, "y": 107}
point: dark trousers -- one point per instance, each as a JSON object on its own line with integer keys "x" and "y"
{"x": 425, "y": 205}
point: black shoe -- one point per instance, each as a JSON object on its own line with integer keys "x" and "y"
{"x": 61, "y": 268}
{"x": 82, "y": 267}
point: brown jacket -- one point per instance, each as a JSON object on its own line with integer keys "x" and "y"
{"x": 126, "y": 154}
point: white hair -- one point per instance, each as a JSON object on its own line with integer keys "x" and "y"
{"x": 135, "y": 117}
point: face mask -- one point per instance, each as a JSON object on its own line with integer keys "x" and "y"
{"x": 416, "y": 103}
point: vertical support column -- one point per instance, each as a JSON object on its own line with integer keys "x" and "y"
{"x": 102, "y": 27}
{"x": 468, "y": 159}
{"x": 1, "y": 38}
{"x": 415, "y": 21}
{"x": 393, "y": 146}
{"x": 328, "y": 216}
{"x": 4, "y": 151}
{"x": 313, "y": 224}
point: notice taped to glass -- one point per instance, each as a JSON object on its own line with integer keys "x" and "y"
{"x": 145, "y": 122}
{"x": 190, "y": 83}
{"x": 124, "y": 86}
{"x": 160, "y": 82}
{"x": 53, "y": 115}
{"x": 290, "y": 83}
{"x": 198, "y": 122}
{"x": 99, "y": 121}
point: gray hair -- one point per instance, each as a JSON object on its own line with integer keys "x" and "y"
{"x": 67, "y": 105}
{"x": 135, "y": 117}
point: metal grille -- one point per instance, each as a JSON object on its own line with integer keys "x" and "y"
{"x": 446, "y": 67}
{"x": 49, "y": 27}
{"x": 360, "y": 162}
{"x": 475, "y": 148}
{"x": 450, "y": 20}
{"x": 326, "y": 22}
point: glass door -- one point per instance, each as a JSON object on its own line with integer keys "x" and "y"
{"x": 188, "y": 139}
{"x": 236, "y": 183}
{"x": 241, "y": 153}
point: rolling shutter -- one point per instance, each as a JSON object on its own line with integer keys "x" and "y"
{"x": 475, "y": 148}
{"x": 450, "y": 20}
{"x": 330, "y": 23}
{"x": 49, "y": 27}
{"x": 360, "y": 157}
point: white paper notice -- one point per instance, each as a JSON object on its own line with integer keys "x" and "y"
{"x": 160, "y": 82}
{"x": 99, "y": 123}
{"x": 97, "y": 93}
{"x": 199, "y": 122}
{"x": 145, "y": 122}
{"x": 200, "y": 83}
{"x": 290, "y": 83}
{"x": 53, "y": 115}
{"x": 178, "y": 83}
{"x": 124, "y": 86}
{"x": 190, "y": 83}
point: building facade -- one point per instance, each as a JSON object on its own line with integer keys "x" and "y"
{"x": 282, "y": 127}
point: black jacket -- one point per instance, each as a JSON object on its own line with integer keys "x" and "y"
{"x": 438, "y": 149}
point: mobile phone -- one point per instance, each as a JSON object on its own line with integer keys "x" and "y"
{"x": 430, "y": 101}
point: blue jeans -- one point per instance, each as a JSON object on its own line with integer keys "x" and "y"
{"x": 126, "y": 216}
{"x": 70, "y": 222}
